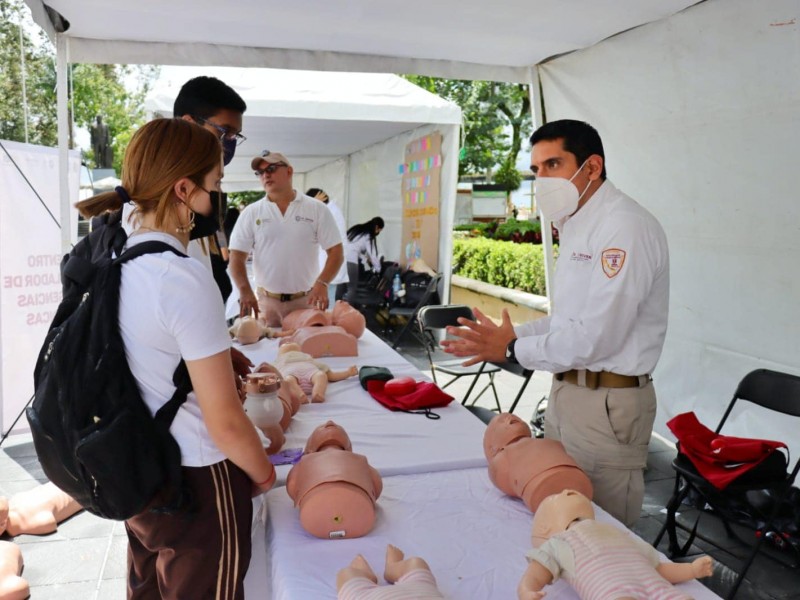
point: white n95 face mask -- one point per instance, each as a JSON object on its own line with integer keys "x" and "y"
{"x": 557, "y": 197}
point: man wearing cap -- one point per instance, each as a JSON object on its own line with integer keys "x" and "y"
{"x": 284, "y": 231}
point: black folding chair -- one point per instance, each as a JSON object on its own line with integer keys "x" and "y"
{"x": 516, "y": 369}
{"x": 409, "y": 313}
{"x": 366, "y": 296}
{"x": 779, "y": 392}
{"x": 361, "y": 294}
{"x": 431, "y": 320}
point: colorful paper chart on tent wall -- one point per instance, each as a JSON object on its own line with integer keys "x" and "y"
{"x": 421, "y": 171}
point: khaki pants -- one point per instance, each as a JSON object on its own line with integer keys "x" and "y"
{"x": 607, "y": 432}
{"x": 272, "y": 310}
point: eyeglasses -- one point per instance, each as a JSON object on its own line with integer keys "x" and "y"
{"x": 269, "y": 169}
{"x": 224, "y": 132}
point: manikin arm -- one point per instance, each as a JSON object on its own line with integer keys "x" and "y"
{"x": 536, "y": 576}
{"x": 680, "y": 572}
{"x": 341, "y": 375}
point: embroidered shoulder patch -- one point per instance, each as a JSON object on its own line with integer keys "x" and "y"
{"x": 612, "y": 260}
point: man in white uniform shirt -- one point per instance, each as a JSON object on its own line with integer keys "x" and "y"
{"x": 284, "y": 231}
{"x": 608, "y": 322}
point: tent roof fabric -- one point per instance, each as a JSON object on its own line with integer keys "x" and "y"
{"x": 311, "y": 117}
{"x": 496, "y": 40}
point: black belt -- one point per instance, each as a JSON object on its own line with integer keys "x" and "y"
{"x": 284, "y": 297}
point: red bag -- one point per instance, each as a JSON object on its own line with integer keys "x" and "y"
{"x": 425, "y": 397}
{"x": 718, "y": 458}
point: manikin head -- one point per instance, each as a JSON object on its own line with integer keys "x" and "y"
{"x": 329, "y": 435}
{"x": 504, "y": 429}
{"x": 3, "y": 514}
{"x": 557, "y": 512}
{"x": 349, "y": 319}
{"x": 249, "y": 331}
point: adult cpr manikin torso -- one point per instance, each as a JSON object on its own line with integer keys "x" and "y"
{"x": 527, "y": 468}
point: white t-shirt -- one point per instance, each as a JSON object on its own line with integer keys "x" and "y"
{"x": 361, "y": 249}
{"x": 611, "y": 296}
{"x": 195, "y": 249}
{"x": 170, "y": 307}
{"x": 341, "y": 276}
{"x": 285, "y": 247}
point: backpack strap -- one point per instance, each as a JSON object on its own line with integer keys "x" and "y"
{"x": 180, "y": 378}
{"x": 183, "y": 385}
{"x": 151, "y": 247}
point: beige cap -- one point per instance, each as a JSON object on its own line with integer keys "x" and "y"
{"x": 270, "y": 157}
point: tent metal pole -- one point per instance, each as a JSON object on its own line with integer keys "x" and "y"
{"x": 62, "y": 94}
{"x": 346, "y": 198}
{"x": 537, "y": 116}
{"x": 23, "y": 77}
{"x": 451, "y": 142}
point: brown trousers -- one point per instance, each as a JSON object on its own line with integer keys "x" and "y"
{"x": 199, "y": 554}
{"x": 607, "y": 432}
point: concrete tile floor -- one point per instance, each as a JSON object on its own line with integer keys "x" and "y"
{"x": 85, "y": 558}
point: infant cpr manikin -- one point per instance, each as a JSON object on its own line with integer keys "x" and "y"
{"x": 334, "y": 488}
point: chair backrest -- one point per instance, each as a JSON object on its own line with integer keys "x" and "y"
{"x": 771, "y": 389}
{"x": 441, "y": 316}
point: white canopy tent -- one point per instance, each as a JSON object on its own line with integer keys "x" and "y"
{"x": 313, "y": 117}
{"x": 698, "y": 111}
{"x": 342, "y": 132}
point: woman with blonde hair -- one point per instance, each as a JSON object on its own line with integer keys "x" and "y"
{"x": 171, "y": 173}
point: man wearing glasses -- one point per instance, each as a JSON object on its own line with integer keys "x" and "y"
{"x": 217, "y": 107}
{"x": 284, "y": 230}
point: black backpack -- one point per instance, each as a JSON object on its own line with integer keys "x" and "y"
{"x": 93, "y": 433}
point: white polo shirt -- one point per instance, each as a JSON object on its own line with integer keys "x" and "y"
{"x": 611, "y": 295}
{"x": 285, "y": 247}
{"x": 170, "y": 306}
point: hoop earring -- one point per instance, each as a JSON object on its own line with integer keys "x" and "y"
{"x": 189, "y": 226}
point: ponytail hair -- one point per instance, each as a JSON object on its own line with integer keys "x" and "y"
{"x": 160, "y": 153}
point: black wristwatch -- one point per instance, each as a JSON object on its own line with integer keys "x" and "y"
{"x": 510, "y": 356}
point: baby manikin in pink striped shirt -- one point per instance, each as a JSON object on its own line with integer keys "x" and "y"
{"x": 599, "y": 560}
{"x": 410, "y": 579}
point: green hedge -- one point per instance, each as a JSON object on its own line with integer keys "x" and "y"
{"x": 509, "y": 265}
{"x": 521, "y": 232}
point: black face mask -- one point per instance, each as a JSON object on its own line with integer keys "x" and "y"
{"x": 228, "y": 150}
{"x": 209, "y": 225}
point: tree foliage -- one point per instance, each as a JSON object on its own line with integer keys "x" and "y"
{"x": 100, "y": 90}
{"x": 40, "y": 81}
{"x": 95, "y": 89}
{"x": 496, "y": 117}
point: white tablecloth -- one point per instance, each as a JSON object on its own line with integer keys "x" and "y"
{"x": 437, "y": 499}
{"x": 394, "y": 442}
{"x": 473, "y": 537}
